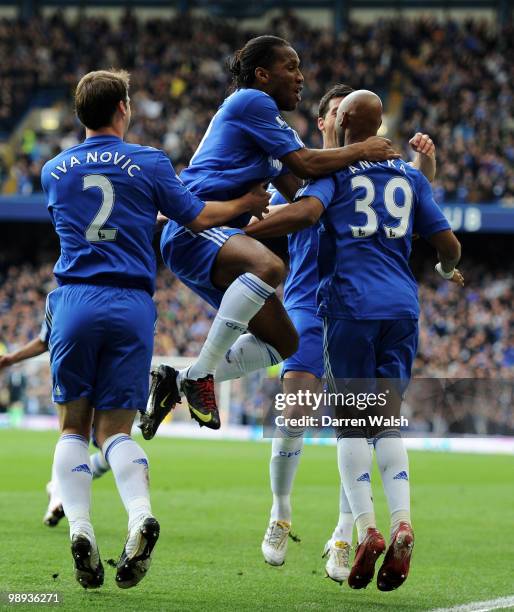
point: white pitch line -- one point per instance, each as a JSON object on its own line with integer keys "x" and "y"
{"x": 482, "y": 606}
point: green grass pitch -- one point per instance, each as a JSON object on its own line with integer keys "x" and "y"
{"x": 212, "y": 501}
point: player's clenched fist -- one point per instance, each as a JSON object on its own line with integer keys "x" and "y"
{"x": 454, "y": 276}
{"x": 422, "y": 143}
{"x": 457, "y": 278}
{"x": 257, "y": 200}
{"x": 377, "y": 148}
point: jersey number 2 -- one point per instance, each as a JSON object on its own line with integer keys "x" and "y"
{"x": 365, "y": 205}
{"x": 96, "y": 231}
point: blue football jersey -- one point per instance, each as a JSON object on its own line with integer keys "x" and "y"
{"x": 242, "y": 146}
{"x": 372, "y": 210}
{"x": 302, "y": 280}
{"x": 103, "y": 197}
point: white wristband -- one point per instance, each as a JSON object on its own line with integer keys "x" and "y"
{"x": 441, "y": 272}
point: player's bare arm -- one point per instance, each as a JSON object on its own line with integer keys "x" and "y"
{"x": 425, "y": 160}
{"x": 449, "y": 252}
{"x": 287, "y": 184}
{"x": 31, "y": 349}
{"x": 304, "y": 213}
{"x": 272, "y": 210}
{"x": 214, "y": 213}
{"x": 217, "y": 213}
{"x": 313, "y": 163}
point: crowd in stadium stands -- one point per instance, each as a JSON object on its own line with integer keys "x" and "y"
{"x": 463, "y": 334}
{"x": 184, "y": 319}
{"x": 452, "y": 80}
{"x": 470, "y": 335}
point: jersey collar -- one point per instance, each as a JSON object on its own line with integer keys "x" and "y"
{"x": 103, "y": 137}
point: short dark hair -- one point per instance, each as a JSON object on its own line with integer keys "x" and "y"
{"x": 337, "y": 91}
{"x": 258, "y": 52}
{"x": 97, "y": 96}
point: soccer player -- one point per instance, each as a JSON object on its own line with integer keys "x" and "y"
{"x": 305, "y": 368}
{"x": 103, "y": 198}
{"x": 246, "y": 141}
{"x": 99, "y": 466}
{"x": 368, "y": 298}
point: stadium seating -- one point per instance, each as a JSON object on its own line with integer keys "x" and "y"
{"x": 426, "y": 70}
{"x": 469, "y": 335}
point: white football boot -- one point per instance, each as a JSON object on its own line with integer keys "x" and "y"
{"x": 274, "y": 544}
{"x": 338, "y": 562}
{"x": 54, "y": 513}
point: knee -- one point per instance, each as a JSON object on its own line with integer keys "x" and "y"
{"x": 112, "y": 423}
{"x": 269, "y": 268}
{"x": 75, "y": 419}
{"x": 82, "y": 430}
{"x": 103, "y": 433}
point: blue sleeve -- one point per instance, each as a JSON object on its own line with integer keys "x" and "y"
{"x": 172, "y": 197}
{"x": 428, "y": 217}
{"x": 323, "y": 189}
{"x": 261, "y": 120}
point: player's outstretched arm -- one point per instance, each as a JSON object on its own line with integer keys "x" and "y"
{"x": 213, "y": 214}
{"x": 272, "y": 210}
{"x": 31, "y": 349}
{"x": 291, "y": 218}
{"x": 430, "y": 222}
{"x": 425, "y": 161}
{"x": 314, "y": 163}
{"x": 174, "y": 201}
{"x": 449, "y": 252}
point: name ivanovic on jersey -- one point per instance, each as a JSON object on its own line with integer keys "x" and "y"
{"x": 95, "y": 157}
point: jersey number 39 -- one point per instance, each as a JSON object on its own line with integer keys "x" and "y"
{"x": 365, "y": 205}
{"x": 96, "y": 232}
